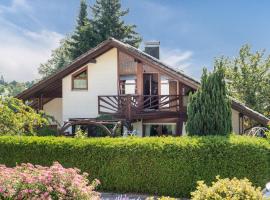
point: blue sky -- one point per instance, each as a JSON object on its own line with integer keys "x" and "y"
{"x": 191, "y": 32}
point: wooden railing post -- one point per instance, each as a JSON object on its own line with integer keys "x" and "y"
{"x": 98, "y": 104}
{"x": 129, "y": 107}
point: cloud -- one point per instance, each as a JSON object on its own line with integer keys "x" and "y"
{"x": 22, "y": 50}
{"x": 16, "y": 6}
{"x": 177, "y": 58}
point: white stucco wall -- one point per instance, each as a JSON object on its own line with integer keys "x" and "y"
{"x": 54, "y": 108}
{"x": 102, "y": 80}
{"x": 235, "y": 121}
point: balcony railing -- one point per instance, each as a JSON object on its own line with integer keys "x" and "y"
{"x": 136, "y": 106}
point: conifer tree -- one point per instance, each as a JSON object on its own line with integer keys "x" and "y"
{"x": 83, "y": 38}
{"x": 209, "y": 109}
{"x": 108, "y": 22}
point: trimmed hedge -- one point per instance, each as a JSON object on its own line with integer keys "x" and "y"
{"x": 163, "y": 166}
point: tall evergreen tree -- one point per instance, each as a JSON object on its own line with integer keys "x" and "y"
{"x": 209, "y": 109}
{"x": 108, "y": 22}
{"x": 83, "y": 38}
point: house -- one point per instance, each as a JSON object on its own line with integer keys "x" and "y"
{"x": 117, "y": 80}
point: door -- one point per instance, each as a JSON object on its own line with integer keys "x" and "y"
{"x": 150, "y": 90}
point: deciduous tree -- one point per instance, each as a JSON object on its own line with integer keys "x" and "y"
{"x": 17, "y": 118}
{"x": 248, "y": 78}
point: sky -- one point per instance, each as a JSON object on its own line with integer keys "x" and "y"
{"x": 192, "y": 33}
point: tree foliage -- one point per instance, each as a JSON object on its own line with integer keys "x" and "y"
{"x": 209, "y": 109}
{"x": 60, "y": 57}
{"x": 235, "y": 189}
{"x": 13, "y": 88}
{"x": 248, "y": 78}
{"x": 105, "y": 22}
{"x": 108, "y": 22}
{"x": 17, "y": 118}
{"x": 83, "y": 37}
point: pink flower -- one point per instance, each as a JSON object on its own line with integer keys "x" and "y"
{"x": 39, "y": 182}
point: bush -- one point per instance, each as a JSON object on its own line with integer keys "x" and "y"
{"x": 159, "y": 166}
{"x": 209, "y": 109}
{"x": 46, "y": 131}
{"x": 227, "y": 189}
{"x": 36, "y": 182}
{"x": 17, "y": 118}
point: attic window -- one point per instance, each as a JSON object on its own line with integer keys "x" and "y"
{"x": 80, "y": 80}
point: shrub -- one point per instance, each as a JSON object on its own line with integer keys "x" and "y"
{"x": 27, "y": 181}
{"x": 18, "y": 118}
{"x": 159, "y": 166}
{"x": 209, "y": 109}
{"x": 227, "y": 189}
{"x": 46, "y": 131}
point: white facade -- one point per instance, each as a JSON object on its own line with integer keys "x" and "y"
{"x": 54, "y": 108}
{"x": 102, "y": 80}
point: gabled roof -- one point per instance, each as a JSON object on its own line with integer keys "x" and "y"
{"x": 242, "y": 108}
{"x": 54, "y": 82}
{"x": 90, "y": 55}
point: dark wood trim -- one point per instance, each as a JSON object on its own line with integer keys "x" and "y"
{"x": 84, "y": 69}
{"x": 179, "y": 127}
{"x": 139, "y": 81}
{"x": 250, "y": 113}
{"x": 90, "y": 57}
{"x": 40, "y": 102}
{"x": 156, "y": 66}
{"x": 130, "y": 107}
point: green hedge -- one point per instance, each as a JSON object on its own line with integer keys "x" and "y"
{"x": 164, "y": 166}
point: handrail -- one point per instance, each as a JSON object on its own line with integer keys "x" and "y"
{"x": 129, "y": 105}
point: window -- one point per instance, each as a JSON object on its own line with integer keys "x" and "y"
{"x": 127, "y": 84}
{"x": 159, "y": 129}
{"x": 79, "y": 80}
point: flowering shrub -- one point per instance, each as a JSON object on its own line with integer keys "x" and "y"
{"x": 227, "y": 189}
{"x": 27, "y": 181}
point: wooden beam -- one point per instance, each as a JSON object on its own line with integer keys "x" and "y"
{"x": 181, "y": 102}
{"x": 139, "y": 78}
{"x": 164, "y": 70}
{"x": 179, "y": 127}
{"x": 40, "y": 102}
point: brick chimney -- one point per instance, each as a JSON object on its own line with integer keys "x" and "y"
{"x": 152, "y": 48}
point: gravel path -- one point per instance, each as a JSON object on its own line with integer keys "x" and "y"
{"x": 114, "y": 196}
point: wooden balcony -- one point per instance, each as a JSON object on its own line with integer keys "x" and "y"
{"x": 131, "y": 107}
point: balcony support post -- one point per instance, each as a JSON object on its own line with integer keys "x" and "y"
{"x": 128, "y": 107}
{"x": 179, "y": 127}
